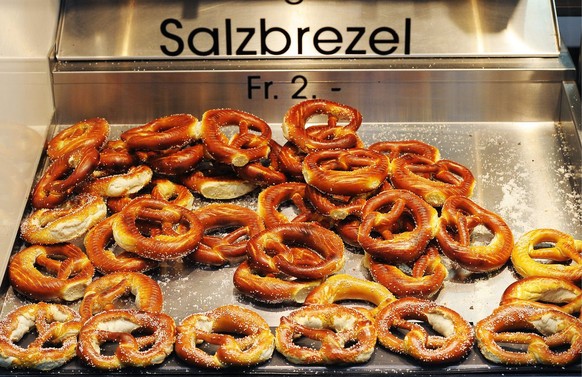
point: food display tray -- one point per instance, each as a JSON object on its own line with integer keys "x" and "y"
{"x": 527, "y": 172}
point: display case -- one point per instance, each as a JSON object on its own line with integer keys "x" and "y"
{"x": 486, "y": 82}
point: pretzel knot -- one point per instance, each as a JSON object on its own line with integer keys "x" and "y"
{"x": 345, "y": 172}
{"x": 181, "y": 229}
{"x": 395, "y": 149}
{"x": 454, "y": 338}
{"x": 275, "y": 250}
{"x": 250, "y": 143}
{"x": 549, "y": 245}
{"x": 239, "y": 223}
{"x": 334, "y": 135}
{"x": 87, "y": 133}
{"x": 432, "y": 181}
{"x": 55, "y": 344}
{"x": 345, "y": 335}
{"x": 51, "y": 273}
{"x": 103, "y": 293}
{"x": 530, "y": 333}
{"x": 167, "y": 132}
{"x": 143, "y": 339}
{"x": 255, "y": 344}
{"x": 385, "y": 232}
{"x": 457, "y": 230}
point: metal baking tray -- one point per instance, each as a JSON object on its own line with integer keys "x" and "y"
{"x": 527, "y": 172}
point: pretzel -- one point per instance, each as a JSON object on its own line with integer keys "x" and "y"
{"x": 347, "y": 336}
{"x": 433, "y": 181}
{"x": 546, "y": 290}
{"x": 64, "y": 223}
{"x": 164, "y": 189}
{"x": 345, "y": 172}
{"x": 55, "y": 343}
{"x": 102, "y": 294}
{"x": 291, "y": 161}
{"x": 217, "y": 181}
{"x": 51, "y": 273}
{"x": 453, "y": 340}
{"x": 266, "y": 171}
{"x": 173, "y": 161}
{"x": 162, "y": 133}
{"x": 108, "y": 261}
{"x": 254, "y": 344}
{"x": 272, "y": 250}
{"x": 561, "y": 248}
{"x": 86, "y": 133}
{"x": 459, "y": 218}
{"x": 182, "y": 229}
{"x": 296, "y": 118}
{"x": 143, "y": 339}
{"x": 273, "y": 200}
{"x": 271, "y": 288}
{"x": 342, "y": 287}
{"x": 385, "y": 214}
{"x": 116, "y": 156}
{"x": 338, "y": 207}
{"x": 121, "y": 184}
{"x": 218, "y": 249}
{"x": 62, "y": 176}
{"x": 395, "y": 149}
{"x": 348, "y": 229}
{"x": 545, "y": 335}
{"x": 245, "y": 146}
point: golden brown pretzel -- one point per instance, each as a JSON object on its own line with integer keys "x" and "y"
{"x": 274, "y": 250}
{"x": 219, "y": 249}
{"x": 459, "y": 217}
{"x": 295, "y": 130}
{"x": 426, "y": 277}
{"x": 347, "y": 336}
{"x": 271, "y": 288}
{"x": 342, "y": 287}
{"x": 119, "y": 184}
{"x": 558, "y": 293}
{"x": 143, "y": 338}
{"x": 272, "y": 200}
{"x": 181, "y": 229}
{"x": 173, "y": 161}
{"x": 115, "y": 156}
{"x": 345, "y": 172}
{"x": 266, "y": 171}
{"x": 103, "y": 293}
{"x": 217, "y": 181}
{"x": 338, "y": 207}
{"x": 395, "y": 149}
{"x": 86, "y": 133}
{"x": 245, "y": 146}
{"x": 433, "y": 181}
{"x": 549, "y": 336}
{"x": 108, "y": 261}
{"x": 556, "y": 246}
{"x": 254, "y": 343}
{"x": 453, "y": 340}
{"x": 56, "y": 328}
{"x": 162, "y": 133}
{"x": 51, "y": 273}
{"x": 382, "y": 234}
{"x": 62, "y": 177}
{"x": 164, "y": 189}
{"x": 70, "y": 220}
{"x": 291, "y": 160}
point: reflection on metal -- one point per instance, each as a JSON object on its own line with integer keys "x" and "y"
{"x": 181, "y": 29}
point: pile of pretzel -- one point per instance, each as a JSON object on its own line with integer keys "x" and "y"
{"x": 131, "y": 203}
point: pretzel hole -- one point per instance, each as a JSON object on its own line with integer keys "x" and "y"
{"x": 306, "y": 342}
{"x": 24, "y": 339}
{"x": 148, "y": 338}
{"x": 108, "y": 348}
{"x": 481, "y": 236}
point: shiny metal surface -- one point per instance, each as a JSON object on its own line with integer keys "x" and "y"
{"x": 150, "y": 30}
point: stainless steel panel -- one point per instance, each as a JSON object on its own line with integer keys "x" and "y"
{"x": 151, "y": 30}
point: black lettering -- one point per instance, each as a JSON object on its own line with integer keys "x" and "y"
{"x": 214, "y": 48}
{"x": 303, "y": 81}
{"x": 407, "y": 28}
{"x": 241, "y": 48}
{"x": 264, "y": 35}
{"x": 164, "y": 30}
{"x": 318, "y": 39}
{"x": 300, "y": 33}
{"x": 375, "y": 40}
{"x": 359, "y": 33}
{"x": 228, "y": 34}
{"x": 251, "y": 87}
